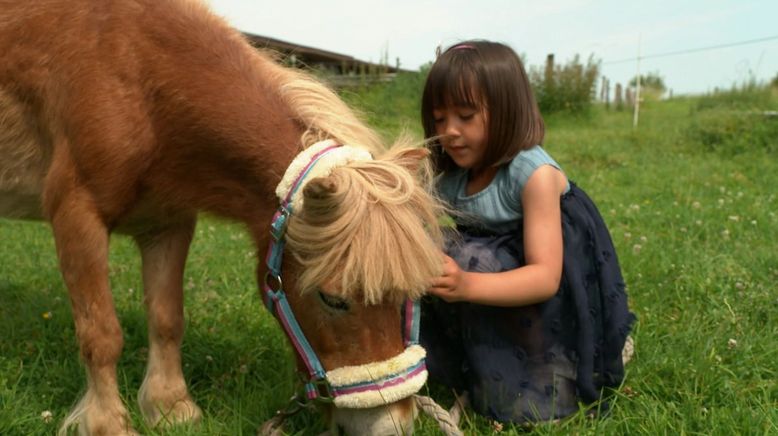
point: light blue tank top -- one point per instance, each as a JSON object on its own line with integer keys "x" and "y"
{"x": 496, "y": 208}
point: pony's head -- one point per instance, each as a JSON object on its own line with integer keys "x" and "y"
{"x": 363, "y": 240}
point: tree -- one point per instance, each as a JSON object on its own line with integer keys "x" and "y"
{"x": 652, "y": 85}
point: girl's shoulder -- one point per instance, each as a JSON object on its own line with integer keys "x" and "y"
{"x": 525, "y": 163}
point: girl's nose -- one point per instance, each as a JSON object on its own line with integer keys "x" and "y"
{"x": 452, "y": 129}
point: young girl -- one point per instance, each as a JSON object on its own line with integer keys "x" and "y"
{"x": 531, "y": 314}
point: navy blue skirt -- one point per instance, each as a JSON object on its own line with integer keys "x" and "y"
{"x": 534, "y": 363}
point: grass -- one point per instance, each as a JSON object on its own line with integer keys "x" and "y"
{"x": 694, "y": 223}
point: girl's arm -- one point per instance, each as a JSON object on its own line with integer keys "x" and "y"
{"x": 538, "y": 280}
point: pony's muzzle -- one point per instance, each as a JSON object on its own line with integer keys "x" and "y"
{"x": 394, "y": 419}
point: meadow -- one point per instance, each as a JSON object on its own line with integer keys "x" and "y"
{"x": 692, "y": 209}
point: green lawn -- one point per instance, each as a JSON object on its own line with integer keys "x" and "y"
{"x": 690, "y": 203}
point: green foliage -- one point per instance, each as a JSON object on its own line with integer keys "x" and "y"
{"x": 569, "y": 87}
{"x": 736, "y": 121}
{"x": 652, "y": 85}
{"x": 650, "y": 80}
{"x": 774, "y": 82}
{"x": 392, "y": 107}
{"x": 749, "y": 96}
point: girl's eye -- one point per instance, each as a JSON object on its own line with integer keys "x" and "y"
{"x": 467, "y": 117}
{"x": 438, "y": 120}
{"x": 335, "y": 303}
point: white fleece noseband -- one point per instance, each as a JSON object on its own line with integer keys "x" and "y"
{"x": 379, "y": 383}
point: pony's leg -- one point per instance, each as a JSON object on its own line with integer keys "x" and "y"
{"x": 163, "y": 396}
{"x": 82, "y": 247}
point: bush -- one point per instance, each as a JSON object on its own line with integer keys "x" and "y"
{"x": 568, "y": 87}
{"x": 749, "y": 96}
{"x": 735, "y": 132}
{"x": 652, "y": 86}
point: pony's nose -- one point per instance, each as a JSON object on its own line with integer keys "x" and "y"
{"x": 394, "y": 419}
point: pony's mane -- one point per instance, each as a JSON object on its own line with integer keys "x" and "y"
{"x": 322, "y": 113}
{"x": 370, "y": 228}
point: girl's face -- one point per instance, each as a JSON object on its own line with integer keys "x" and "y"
{"x": 463, "y": 134}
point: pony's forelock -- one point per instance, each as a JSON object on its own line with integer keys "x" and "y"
{"x": 370, "y": 228}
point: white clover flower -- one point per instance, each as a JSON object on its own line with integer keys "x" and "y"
{"x": 47, "y": 416}
{"x": 696, "y": 205}
{"x": 734, "y": 218}
{"x": 636, "y": 248}
{"x": 731, "y": 343}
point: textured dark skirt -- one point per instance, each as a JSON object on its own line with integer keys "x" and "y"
{"x": 534, "y": 363}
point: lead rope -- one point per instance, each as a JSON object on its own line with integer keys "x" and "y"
{"x": 448, "y": 424}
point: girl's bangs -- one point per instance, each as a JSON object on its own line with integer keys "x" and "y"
{"x": 456, "y": 86}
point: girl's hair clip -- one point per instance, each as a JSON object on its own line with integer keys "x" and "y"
{"x": 463, "y": 46}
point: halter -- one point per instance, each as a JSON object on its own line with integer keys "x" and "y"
{"x": 355, "y": 387}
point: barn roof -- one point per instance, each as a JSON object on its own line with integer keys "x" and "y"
{"x": 312, "y": 56}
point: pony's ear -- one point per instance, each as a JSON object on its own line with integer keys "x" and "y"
{"x": 412, "y": 158}
{"x": 320, "y": 188}
{"x": 322, "y": 197}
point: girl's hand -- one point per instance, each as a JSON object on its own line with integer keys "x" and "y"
{"x": 451, "y": 285}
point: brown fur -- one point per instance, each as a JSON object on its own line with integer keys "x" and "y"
{"x": 133, "y": 116}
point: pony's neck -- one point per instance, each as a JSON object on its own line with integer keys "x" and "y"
{"x": 235, "y": 135}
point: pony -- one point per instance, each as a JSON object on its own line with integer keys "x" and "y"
{"x": 132, "y": 117}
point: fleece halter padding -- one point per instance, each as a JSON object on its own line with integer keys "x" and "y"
{"x": 301, "y": 172}
{"x": 378, "y": 383}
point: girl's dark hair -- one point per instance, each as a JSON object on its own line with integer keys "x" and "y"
{"x": 483, "y": 74}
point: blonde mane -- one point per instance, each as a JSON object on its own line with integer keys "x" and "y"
{"x": 323, "y": 114}
{"x": 374, "y": 222}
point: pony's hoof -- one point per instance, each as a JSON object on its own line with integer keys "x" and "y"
{"x": 181, "y": 411}
{"x": 92, "y": 417}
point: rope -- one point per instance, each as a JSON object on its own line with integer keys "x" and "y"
{"x": 447, "y": 423}
{"x": 439, "y": 414}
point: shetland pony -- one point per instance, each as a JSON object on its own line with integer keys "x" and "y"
{"x": 132, "y": 117}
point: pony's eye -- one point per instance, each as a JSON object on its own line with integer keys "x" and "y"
{"x": 335, "y": 303}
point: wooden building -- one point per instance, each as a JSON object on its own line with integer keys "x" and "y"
{"x": 338, "y": 69}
